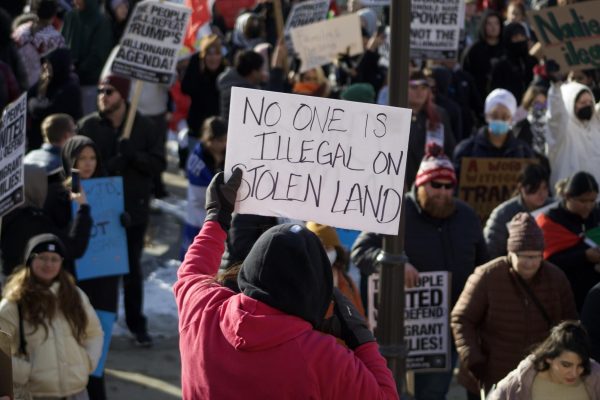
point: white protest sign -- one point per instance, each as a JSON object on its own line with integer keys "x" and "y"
{"x": 12, "y": 150}
{"x": 153, "y": 37}
{"x": 426, "y": 320}
{"x": 336, "y": 162}
{"x": 435, "y": 28}
{"x": 320, "y": 43}
{"x": 370, "y": 3}
{"x": 305, "y": 13}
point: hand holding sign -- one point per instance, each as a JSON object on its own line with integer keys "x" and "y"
{"x": 220, "y": 198}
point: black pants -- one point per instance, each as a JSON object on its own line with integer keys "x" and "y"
{"x": 133, "y": 284}
{"x": 96, "y": 389}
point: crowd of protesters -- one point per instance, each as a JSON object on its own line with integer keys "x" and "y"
{"x": 264, "y": 288}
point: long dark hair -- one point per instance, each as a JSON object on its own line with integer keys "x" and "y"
{"x": 566, "y": 336}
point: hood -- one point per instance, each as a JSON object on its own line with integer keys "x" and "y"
{"x": 481, "y": 29}
{"x": 91, "y": 10}
{"x": 569, "y": 92}
{"x": 36, "y": 186}
{"x": 71, "y": 150}
{"x": 247, "y": 324}
{"x": 288, "y": 269}
{"x": 231, "y": 78}
{"x": 442, "y": 77}
{"x": 61, "y": 62}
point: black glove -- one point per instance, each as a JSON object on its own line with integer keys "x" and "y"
{"x": 220, "y": 198}
{"x": 354, "y": 329}
{"x": 125, "y": 219}
{"x": 552, "y": 70}
{"x": 126, "y": 149}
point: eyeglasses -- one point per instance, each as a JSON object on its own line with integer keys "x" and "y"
{"x": 106, "y": 91}
{"x": 439, "y": 185}
{"x": 48, "y": 259}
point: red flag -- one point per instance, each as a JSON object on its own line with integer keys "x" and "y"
{"x": 556, "y": 236}
{"x": 200, "y": 16}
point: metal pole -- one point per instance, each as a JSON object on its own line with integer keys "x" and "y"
{"x": 390, "y": 324}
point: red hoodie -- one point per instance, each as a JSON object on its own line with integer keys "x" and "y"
{"x": 233, "y": 346}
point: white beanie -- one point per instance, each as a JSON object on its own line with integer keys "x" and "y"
{"x": 501, "y": 96}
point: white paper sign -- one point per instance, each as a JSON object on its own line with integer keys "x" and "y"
{"x": 302, "y": 14}
{"x": 12, "y": 150}
{"x": 153, "y": 37}
{"x": 426, "y": 320}
{"x": 320, "y": 43}
{"x": 435, "y": 29}
{"x": 336, "y": 162}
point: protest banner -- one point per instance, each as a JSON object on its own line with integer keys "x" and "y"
{"x": 335, "y": 162}
{"x": 435, "y": 29}
{"x": 320, "y": 43}
{"x": 487, "y": 182}
{"x": 6, "y": 383}
{"x": 426, "y": 320}
{"x": 12, "y": 150}
{"x": 106, "y": 254}
{"x": 107, "y": 321}
{"x": 305, "y": 13}
{"x": 569, "y": 34}
{"x": 149, "y": 46}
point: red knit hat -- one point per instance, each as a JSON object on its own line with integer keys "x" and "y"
{"x": 435, "y": 165}
{"x": 121, "y": 84}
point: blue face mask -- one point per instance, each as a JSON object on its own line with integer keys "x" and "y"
{"x": 498, "y": 127}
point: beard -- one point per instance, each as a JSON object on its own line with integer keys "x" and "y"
{"x": 437, "y": 206}
{"x": 108, "y": 109}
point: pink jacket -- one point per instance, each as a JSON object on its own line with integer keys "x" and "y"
{"x": 517, "y": 384}
{"x": 234, "y": 346}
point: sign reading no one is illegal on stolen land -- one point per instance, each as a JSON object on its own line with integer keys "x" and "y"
{"x": 153, "y": 37}
{"x": 336, "y": 162}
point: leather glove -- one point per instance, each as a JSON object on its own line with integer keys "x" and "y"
{"x": 220, "y": 198}
{"x": 353, "y": 327}
{"x": 126, "y": 148}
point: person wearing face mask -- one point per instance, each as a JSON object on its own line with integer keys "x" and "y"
{"x": 495, "y": 140}
{"x": 564, "y": 228}
{"x": 573, "y": 130}
{"x": 443, "y": 233}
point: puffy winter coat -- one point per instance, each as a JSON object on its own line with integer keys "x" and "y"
{"x": 495, "y": 322}
{"x": 235, "y": 346}
{"x": 57, "y": 365}
{"x": 573, "y": 144}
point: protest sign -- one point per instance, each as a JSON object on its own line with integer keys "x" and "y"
{"x": 487, "y": 182}
{"x": 149, "y": 46}
{"x": 106, "y": 253}
{"x": 320, "y": 43}
{"x": 569, "y": 34}
{"x": 335, "y": 162}
{"x": 6, "y": 383}
{"x": 12, "y": 150}
{"x": 305, "y": 13}
{"x": 107, "y": 320}
{"x": 371, "y": 3}
{"x": 426, "y": 320}
{"x": 435, "y": 29}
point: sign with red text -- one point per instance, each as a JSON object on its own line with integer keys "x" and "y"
{"x": 336, "y": 162}
{"x": 485, "y": 183}
{"x": 426, "y": 320}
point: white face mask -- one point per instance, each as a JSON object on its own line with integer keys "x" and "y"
{"x": 332, "y": 255}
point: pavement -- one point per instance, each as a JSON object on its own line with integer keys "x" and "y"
{"x": 134, "y": 373}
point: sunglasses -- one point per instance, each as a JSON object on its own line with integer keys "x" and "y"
{"x": 106, "y": 91}
{"x": 439, "y": 185}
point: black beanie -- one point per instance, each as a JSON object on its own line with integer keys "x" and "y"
{"x": 42, "y": 243}
{"x": 288, "y": 269}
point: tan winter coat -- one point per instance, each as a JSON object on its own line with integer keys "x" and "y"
{"x": 495, "y": 322}
{"x": 56, "y": 366}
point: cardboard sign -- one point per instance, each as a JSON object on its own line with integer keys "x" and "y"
{"x": 320, "y": 43}
{"x": 149, "y": 46}
{"x": 106, "y": 254}
{"x": 107, "y": 320}
{"x": 335, "y": 162}
{"x": 12, "y": 150}
{"x": 569, "y": 34}
{"x": 304, "y": 13}
{"x": 435, "y": 29}
{"x": 487, "y": 182}
{"x": 426, "y": 320}
{"x": 6, "y": 383}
